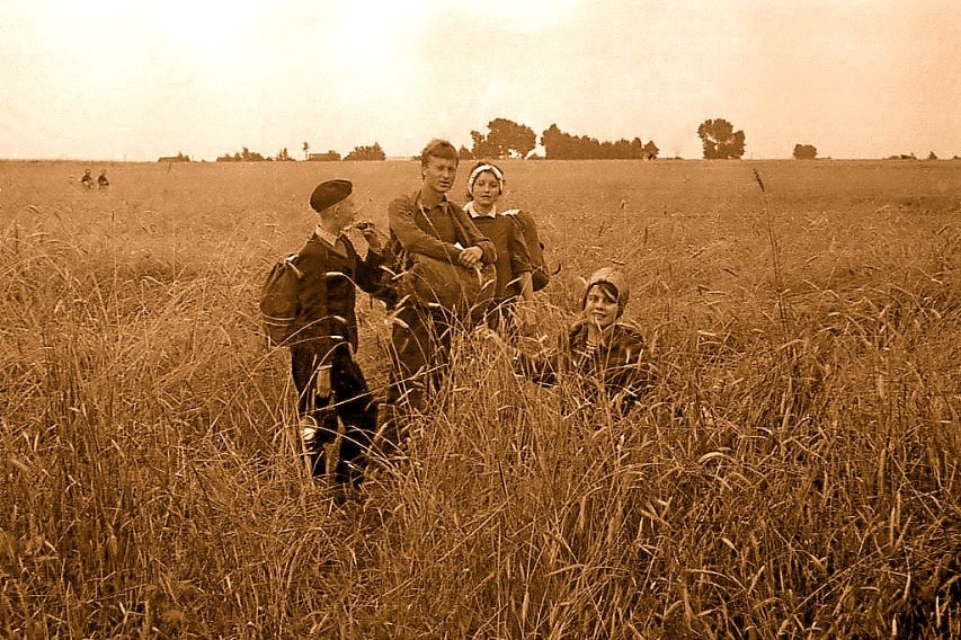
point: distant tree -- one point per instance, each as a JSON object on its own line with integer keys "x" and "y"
{"x": 559, "y": 145}
{"x": 284, "y": 156}
{"x": 251, "y": 156}
{"x": 306, "y": 151}
{"x": 511, "y": 138}
{"x": 719, "y": 140}
{"x": 620, "y": 149}
{"x": 372, "y": 152}
{"x": 932, "y": 156}
{"x": 480, "y": 148}
{"x": 505, "y": 139}
{"x": 464, "y": 153}
{"x": 245, "y": 155}
{"x": 805, "y": 152}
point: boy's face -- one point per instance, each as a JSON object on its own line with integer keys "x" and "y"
{"x": 601, "y": 309}
{"x": 439, "y": 174}
{"x": 344, "y": 212}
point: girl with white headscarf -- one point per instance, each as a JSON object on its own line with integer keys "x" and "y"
{"x": 485, "y": 185}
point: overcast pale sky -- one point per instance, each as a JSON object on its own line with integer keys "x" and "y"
{"x": 135, "y": 79}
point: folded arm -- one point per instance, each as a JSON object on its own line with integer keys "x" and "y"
{"x": 414, "y": 239}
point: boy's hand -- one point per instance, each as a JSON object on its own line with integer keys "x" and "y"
{"x": 370, "y": 234}
{"x": 470, "y": 257}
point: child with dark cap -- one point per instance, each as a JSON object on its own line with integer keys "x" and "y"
{"x": 604, "y": 360}
{"x": 330, "y": 384}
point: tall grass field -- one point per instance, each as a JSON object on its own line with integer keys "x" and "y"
{"x": 793, "y": 473}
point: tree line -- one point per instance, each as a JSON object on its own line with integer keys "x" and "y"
{"x": 508, "y": 139}
{"x": 366, "y": 152}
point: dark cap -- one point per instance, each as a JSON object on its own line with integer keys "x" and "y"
{"x": 329, "y": 193}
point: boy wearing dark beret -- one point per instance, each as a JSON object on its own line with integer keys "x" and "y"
{"x": 330, "y": 384}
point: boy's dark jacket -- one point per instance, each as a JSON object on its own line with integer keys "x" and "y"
{"x": 327, "y": 293}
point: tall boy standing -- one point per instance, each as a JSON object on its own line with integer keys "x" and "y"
{"x": 426, "y": 222}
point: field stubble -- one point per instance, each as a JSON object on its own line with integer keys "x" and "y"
{"x": 794, "y": 472}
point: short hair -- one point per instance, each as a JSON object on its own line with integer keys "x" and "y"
{"x": 438, "y": 148}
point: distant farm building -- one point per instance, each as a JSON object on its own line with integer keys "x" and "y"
{"x": 177, "y": 158}
{"x": 330, "y": 156}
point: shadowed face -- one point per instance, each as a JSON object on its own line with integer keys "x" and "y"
{"x": 439, "y": 174}
{"x": 600, "y": 306}
{"x": 342, "y": 214}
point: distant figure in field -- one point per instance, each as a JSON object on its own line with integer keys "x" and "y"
{"x": 102, "y": 181}
{"x": 601, "y": 363}
{"x": 87, "y": 180}
{"x": 485, "y": 185}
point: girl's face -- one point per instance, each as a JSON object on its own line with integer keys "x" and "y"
{"x": 486, "y": 189}
{"x": 600, "y": 307}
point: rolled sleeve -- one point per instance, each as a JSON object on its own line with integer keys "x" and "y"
{"x": 474, "y": 237}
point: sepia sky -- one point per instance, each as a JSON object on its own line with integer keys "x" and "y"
{"x": 136, "y": 79}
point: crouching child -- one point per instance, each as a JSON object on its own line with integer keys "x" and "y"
{"x": 602, "y": 363}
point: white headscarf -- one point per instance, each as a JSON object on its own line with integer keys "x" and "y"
{"x": 481, "y": 168}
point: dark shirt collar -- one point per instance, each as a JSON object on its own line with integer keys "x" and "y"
{"x": 444, "y": 204}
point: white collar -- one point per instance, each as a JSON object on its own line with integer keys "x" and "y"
{"x": 326, "y": 236}
{"x": 469, "y": 208}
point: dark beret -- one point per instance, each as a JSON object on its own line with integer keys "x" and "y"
{"x": 329, "y": 193}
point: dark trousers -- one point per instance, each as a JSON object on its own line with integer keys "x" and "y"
{"x": 350, "y": 400}
{"x": 420, "y": 348}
